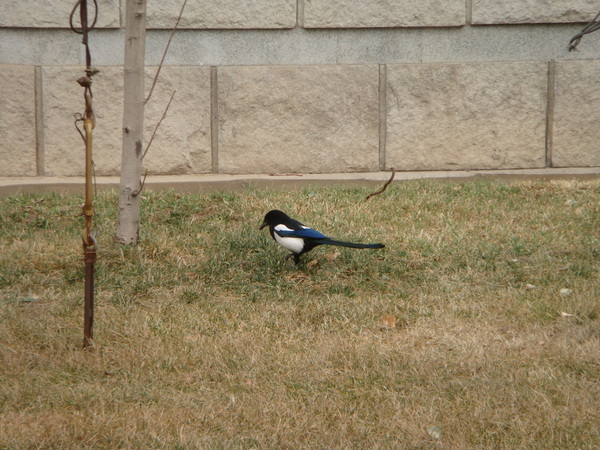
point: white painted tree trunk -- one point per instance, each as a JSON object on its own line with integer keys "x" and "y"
{"x": 128, "y": 221}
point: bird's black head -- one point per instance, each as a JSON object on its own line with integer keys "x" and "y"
{"x": 273, "y": 218}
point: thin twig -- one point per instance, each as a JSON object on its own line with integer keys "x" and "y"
{"x": 165, "y": 53}
{"x": 139, "y": 190}
{"x": 158, "y": 125}
{"x": 387, "y": 183}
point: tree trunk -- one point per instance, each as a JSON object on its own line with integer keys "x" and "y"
{"x": 133, "y": 124}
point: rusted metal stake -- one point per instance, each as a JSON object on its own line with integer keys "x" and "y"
{"x": 87, "y": 236}
{"x": 88, "y": 310}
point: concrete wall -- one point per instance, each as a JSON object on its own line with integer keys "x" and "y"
{"x": 281, "y": 86}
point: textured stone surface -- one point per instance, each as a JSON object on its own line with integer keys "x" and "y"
{"x": 17, "y": 121}
{"x": 298, "y": 119}
{"x": 466, "y": 116}
{"x": 300, "y": 46}
{"x": 576, "y": 137}
{"x": 55, "y": 13}
{"x": 181, "y": 145}
{"x": 38, "y": 47}
{"x": 383, "y": 13}
{"x": 225, "y": 14}
{"x": 533, "y": 11}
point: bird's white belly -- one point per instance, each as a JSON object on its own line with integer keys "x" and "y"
{"x": 293, "y": 244}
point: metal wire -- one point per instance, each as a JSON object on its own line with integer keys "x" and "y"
{"x": 90, "y": 27}
{"x": 594, "y": 25}
{"x": 85, "y": 27}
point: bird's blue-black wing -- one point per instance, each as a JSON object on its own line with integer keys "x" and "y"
{"x": 305, "y": 233}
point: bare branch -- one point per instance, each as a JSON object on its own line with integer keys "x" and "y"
{"x": 165, "y": 53}
{"x": 158, "y": 125}
{"x": 387, "y": 183}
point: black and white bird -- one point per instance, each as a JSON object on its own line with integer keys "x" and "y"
{"x": 298, "y": 238}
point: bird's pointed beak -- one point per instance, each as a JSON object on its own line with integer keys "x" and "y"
{"x": 264, "y": 224}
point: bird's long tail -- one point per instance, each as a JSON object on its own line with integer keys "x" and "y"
{"x": 349, "y": 244}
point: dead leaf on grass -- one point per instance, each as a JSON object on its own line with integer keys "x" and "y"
{"x": 312, "y": 263}
{"x": 332, "y": 256}
{"x": 388, "y": 322}
{"x": 296, "y": 277}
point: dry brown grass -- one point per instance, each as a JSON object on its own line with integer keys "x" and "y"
{"x": 204, "y": 338}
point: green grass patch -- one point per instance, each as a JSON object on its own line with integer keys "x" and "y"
{"x": 206, "y": 337}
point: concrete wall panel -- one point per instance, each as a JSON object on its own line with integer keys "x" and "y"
{"x": 17, "y": 121}
{"x": 224, "y": 14}
{"x": 181, "y": 145}
{"x": 55, "y": 14}
{"x": 466, "y": 116}
{"x": 383, "y": 13}
{"x": 298, "y": 119}
{"x": 576, "y": 137}
{"x": 533, "y": 11}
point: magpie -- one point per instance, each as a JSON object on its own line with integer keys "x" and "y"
{"x": 298, "y": 238}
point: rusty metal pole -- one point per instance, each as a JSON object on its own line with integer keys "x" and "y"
{"x": 88, "y": 310}
{"x": 88, "y": 237}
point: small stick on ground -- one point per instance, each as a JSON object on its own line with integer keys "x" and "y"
{"x": 387, "y": 183}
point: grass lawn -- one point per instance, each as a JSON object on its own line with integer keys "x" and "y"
{"x": 205, "y": 337}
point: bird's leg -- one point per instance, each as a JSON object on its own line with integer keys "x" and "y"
{"x": 296, "y": 257}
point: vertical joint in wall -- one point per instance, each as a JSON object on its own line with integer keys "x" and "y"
{"x": 214, "y": 119}
{"x": 469, "y": 12}
{"x": 299, "y": 13}
{"x": 550, "y": 111}
{"x": 39, "y": 122}
{"x": 382, "y": 116}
